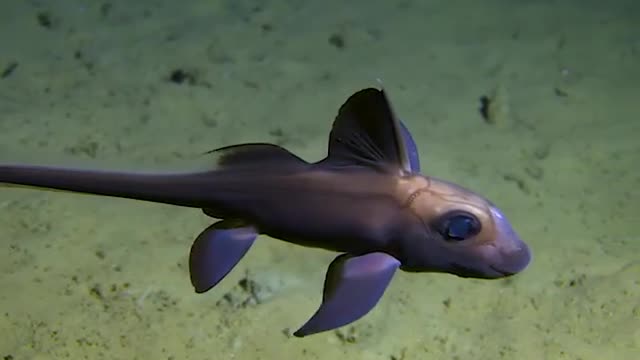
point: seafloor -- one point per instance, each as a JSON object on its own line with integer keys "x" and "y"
{"x": 154, "y": 83}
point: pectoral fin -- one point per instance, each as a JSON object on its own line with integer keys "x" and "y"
{"x": 353, "y": 286}
{"x": 216, "y": 251}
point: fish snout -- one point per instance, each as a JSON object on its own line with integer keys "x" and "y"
{"x": 512, "y": 255}
{"x": 513, "y": 262}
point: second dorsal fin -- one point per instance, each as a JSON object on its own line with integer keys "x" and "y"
{"x": 254, "y": 154}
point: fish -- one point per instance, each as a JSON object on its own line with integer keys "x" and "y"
{"x": 366, "y": 200}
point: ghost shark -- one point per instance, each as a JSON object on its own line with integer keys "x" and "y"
{"x": 365, "y": 200}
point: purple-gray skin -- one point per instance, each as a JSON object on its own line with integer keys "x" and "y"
{"x": 365, "y": 200}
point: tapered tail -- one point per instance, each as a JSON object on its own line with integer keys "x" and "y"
{"x": 182, "y": 189}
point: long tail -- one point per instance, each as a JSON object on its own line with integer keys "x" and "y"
{"x": 182, "y": 189}
{"x": 237, "y": 177}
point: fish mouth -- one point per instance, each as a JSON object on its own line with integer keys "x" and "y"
{"x": 490, "y": 272}
{"x": 502, "y": 272}
{"x": 470, "y": 272}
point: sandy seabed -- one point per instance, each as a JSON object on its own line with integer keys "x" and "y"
{"x": 154, "y": 83}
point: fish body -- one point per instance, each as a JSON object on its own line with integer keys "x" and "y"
{"x": 366, "y": 200}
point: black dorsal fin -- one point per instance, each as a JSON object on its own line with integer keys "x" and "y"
{"x": 247, "y": 155}
{"x": 367, "y": 133}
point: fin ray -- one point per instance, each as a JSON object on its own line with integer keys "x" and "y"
{"x": 367, "y": 133}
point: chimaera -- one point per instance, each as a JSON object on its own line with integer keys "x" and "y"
{"x": 365, "y": 200}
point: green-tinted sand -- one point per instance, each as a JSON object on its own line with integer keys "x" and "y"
{"x": 154, "y": 83}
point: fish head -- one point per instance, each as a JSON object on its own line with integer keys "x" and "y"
{"x": 459, "y": 232}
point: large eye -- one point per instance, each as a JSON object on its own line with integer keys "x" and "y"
{"x": 459, "y": 226}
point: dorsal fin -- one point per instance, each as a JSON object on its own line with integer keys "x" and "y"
{"x": 367, "y": 133}
{"x": 261, "y": 154}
